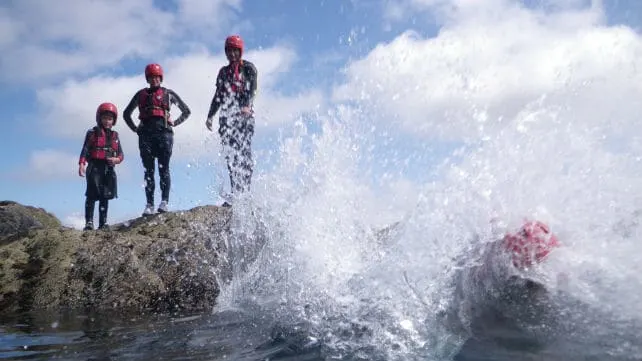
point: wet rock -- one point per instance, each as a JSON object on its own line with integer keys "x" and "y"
{"x": 16, "y": 219}
{"x": 168, "y": 261}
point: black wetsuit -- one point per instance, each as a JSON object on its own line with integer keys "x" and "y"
{"x": 156, "y": 139}
{"x": 236, "y": 86}
{"x": 101, "y": 178}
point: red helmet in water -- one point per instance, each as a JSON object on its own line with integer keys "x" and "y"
{"x": 531, "y": 244}
{"x": 106, "y": 107}
{"x": 234, "y": 42}
{"x": 153, "y": 70}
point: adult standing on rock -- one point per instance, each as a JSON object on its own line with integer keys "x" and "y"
{"x": 155, "y": 133}
{"x": 236, "y": 86}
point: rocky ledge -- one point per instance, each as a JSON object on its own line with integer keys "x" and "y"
{"x": 168, "y": 261}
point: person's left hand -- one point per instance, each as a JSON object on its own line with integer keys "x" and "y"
{"x": 112, "y": 161}
{"x": 170, "y": 122}
{"x": 246, "y": 111}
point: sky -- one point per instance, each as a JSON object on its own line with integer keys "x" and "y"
{"x": 427, "y": 76}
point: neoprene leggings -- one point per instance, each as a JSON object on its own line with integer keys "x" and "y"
{"x": 103, "y": 206}
{"x": 157, "y": 145}
{"x": 237, "y": 146}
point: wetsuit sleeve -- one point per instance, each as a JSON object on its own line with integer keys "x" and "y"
{"x": 218, "y": 95}
{"x": 176, "y": 100}
{"x": 127, "y": 113}
{"x": 84, "y": 152}
{"x": 119, "y": 152}
{"x": 252, "y": 79}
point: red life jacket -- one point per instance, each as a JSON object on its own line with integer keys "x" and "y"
{"x": 101, "y": 146}
{"x": 236, "y": 78}
{"x": 153, "y": 104}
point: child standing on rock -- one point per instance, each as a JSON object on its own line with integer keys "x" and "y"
{"x": 100, "y": 152}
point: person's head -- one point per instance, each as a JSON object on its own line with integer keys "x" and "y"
{"x": 234, "y": 48}
{"x": 531, "y": 244}
{"x": 106, "y": 115}
{"x": 154, "y": 75}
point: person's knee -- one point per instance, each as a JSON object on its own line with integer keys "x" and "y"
{"x": 163, "y": 163}
{"x": 167, "y": 143}
{"x": 144, "y": 147}
{"x": 148, "y": 161}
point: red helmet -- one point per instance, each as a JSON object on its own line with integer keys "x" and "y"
{"x": 234, "y": 42}
{"x": 153, "y": 70}
{"x": 531, "y": 244}
{"x": 106, "y": 107}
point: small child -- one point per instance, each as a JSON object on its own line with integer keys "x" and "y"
{"x": 101, "y": 151}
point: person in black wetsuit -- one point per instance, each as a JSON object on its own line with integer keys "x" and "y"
{"x": 155, "y": 133}
{"x": 236, "y": 86}
{"x": 101, "y": 151}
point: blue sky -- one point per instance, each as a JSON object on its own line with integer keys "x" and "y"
{"x": 403, "y": 61}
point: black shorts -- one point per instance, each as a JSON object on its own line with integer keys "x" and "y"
{"x": 101, "y": 181}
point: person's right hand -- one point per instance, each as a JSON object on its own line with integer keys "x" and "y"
{"x": 81, "y": 170}
{"x": 208, "y": 124}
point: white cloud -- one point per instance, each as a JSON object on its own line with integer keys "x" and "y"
{"x": 274, "y": 62}
{"x": 72, "y": 105}
{"x": 47, "y": 165}
{"x": 274, "y": 109}
{"x": 50, "y": 165}
{"x": 487, "y": 64}
{"x": 44, "y": 40}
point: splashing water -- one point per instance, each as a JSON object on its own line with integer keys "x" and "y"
{"x": 370, "y": 293}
